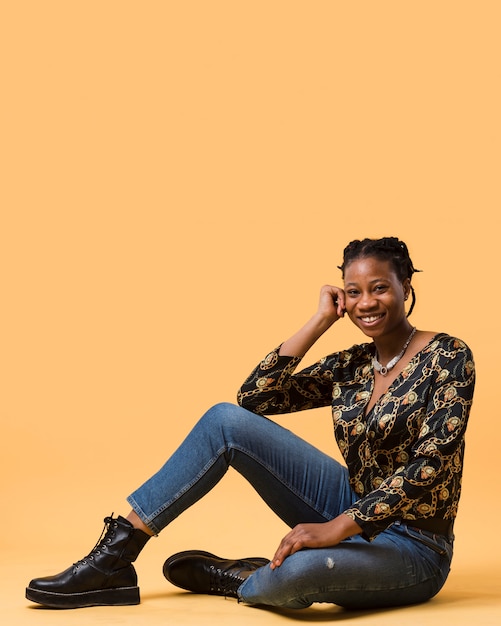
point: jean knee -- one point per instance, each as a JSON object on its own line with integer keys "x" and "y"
{"x": 222, "y": 410}
{"x": 226, "y": 414}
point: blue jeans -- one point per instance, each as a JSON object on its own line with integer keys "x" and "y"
{"x": 403, "y": 565}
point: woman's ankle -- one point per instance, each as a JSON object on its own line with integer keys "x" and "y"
{"x": 138, "y": 523}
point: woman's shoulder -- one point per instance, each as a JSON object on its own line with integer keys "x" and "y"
{"x": 448, "y": 347}
{"x": 443, "y": 340}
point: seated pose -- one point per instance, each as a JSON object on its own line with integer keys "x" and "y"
{"x": 376, "y": 531}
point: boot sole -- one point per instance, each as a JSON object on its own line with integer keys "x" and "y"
{"x": 121, "y": 596}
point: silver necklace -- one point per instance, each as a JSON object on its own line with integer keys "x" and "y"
{"x": 382, "y": 369}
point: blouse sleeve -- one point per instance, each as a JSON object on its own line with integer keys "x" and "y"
{"x": 435, "y": 462}
{"x": 272, "y": 387}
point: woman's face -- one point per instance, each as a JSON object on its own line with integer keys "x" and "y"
{"x": 375, "y": 296}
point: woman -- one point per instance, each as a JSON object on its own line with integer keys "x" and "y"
{"x": 375, "y": 533}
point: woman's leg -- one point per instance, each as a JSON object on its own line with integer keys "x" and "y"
{"x": 300, "y": 483}
{"x": 401, "y": 566}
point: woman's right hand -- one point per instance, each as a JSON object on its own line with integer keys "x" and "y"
{"x": 331, "y": 304}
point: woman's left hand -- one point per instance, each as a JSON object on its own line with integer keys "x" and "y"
{"x": 324, "y": 535}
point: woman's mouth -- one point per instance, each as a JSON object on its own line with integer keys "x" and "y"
{"x": 371, "y": 319}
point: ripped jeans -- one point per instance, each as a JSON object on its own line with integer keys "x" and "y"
{"x": 403, "y": 565}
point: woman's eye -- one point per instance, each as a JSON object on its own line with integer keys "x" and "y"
{"x": 352, "y": 293}
{"x": 380, "y": 288}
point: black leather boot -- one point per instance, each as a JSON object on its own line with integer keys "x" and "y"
{"x": 203, "y": 572}
{"x": 104, "y": 577}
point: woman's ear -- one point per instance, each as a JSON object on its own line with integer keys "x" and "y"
{"x": 407, "y": 288}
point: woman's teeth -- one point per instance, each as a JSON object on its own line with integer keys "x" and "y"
{"x": 372, "y": 318}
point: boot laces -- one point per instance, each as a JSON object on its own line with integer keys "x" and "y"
{"x": 225, "y": 581}
{"x": 105, "y": 538}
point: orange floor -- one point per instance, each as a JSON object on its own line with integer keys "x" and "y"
{"x": 472, "y": 594}
{"x": 469, "y": 597}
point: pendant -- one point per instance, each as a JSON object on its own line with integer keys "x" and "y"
{"x": 384, "y": 369}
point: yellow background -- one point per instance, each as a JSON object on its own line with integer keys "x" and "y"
{"x": 178, "y": 179}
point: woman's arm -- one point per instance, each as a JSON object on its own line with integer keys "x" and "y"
{"x": 427, "y": 484}
{"x": 272, "y": 388}
{"x": 331, "y": 307}
{"x": 322, "y": 535}
{"x": 429, "y": 473}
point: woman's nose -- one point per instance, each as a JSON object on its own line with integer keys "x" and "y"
{"x": 367, "y": 301}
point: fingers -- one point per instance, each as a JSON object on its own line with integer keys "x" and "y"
{"x": 340, "y": 302}
{"x": 317, "y": 535}
{"x": 294, "y": 541}
{"x": 333, "y": 298}
{"x": 287, "y": 546}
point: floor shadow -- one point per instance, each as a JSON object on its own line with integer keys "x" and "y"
{"x": 319, "y": 613}
{"x": 316, "y": 613}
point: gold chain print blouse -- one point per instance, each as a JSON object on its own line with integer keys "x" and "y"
{"x": 405, "y": 458}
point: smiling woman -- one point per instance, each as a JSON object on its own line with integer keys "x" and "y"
{"x": 377, "y": 531}
{"x": 388, "y": 249}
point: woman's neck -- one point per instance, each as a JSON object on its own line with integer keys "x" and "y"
{"x": 388, "y": 347}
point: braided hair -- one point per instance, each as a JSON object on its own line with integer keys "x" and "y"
{"x": 386, "y": 249}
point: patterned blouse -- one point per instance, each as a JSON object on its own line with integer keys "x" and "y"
{"x": 405, "y": 457}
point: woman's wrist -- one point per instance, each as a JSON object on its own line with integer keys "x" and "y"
{"x": 302, "y": 341}
{"x": 322, "y": 321}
